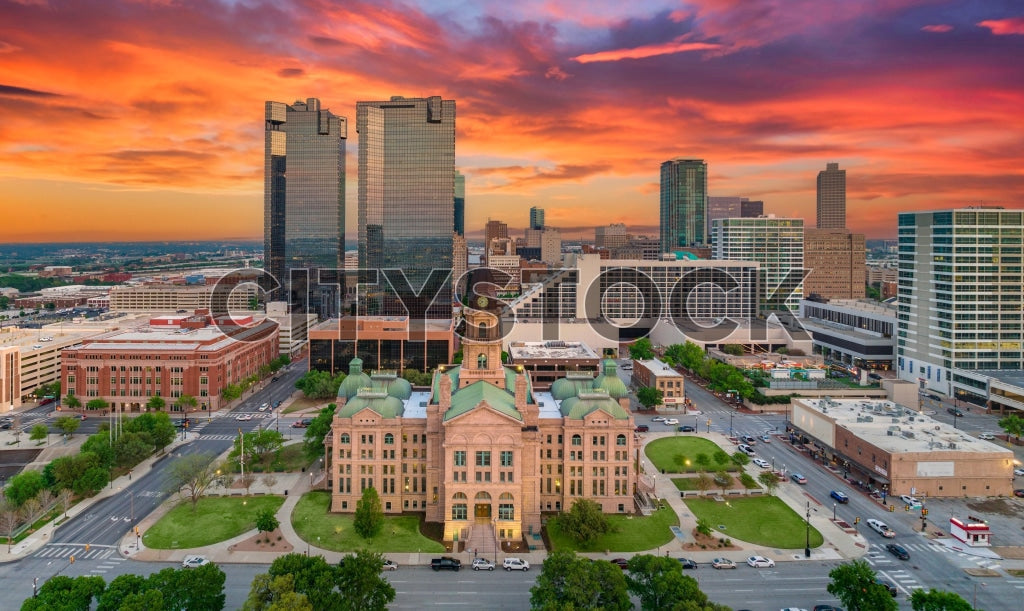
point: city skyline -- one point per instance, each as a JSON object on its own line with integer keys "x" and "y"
{"x": 567, "y": 109}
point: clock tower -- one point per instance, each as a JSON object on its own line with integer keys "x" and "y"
{"x": 480, "y": 332}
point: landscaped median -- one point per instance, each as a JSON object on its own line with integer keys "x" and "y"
{"x": 763, "y": 520}
{"x": 215, "y": 519}
{"x": 335, "y": 531}
{"x": 628, "y": 533}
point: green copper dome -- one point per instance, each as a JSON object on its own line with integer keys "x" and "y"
{"x": 397, "y": 387}
{"x": 376, "y": 400}
{"x": 356, "y": 379}
{"x": 562, "y": 389}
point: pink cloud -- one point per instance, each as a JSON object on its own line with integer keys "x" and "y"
{"x": 645, "y": 51}
{"x": 1002, "y": 27}
{"x": 938, "y": 28}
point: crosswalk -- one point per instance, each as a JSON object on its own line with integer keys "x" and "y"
{"x": 1017, "y": 583}
{"x": 66, "y": 551}
{"x": 903, "y": 579}
{"x": 879, "y": 556}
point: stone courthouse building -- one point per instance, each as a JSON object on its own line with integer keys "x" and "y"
{"x": 481, "y": 450}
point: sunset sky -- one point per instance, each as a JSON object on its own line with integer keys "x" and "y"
{"x": 142, "y": 119}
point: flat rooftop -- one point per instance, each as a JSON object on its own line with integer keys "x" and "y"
{"x": 1012, "y": 377}
{"x": 898, "y": 429}
{"x": 659, "y": 368}
{"x": 550, "y": 350}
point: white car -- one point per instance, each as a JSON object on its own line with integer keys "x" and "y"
{"x": 760, "y": 462}
{"x": 516, "y": 564}
{"x": 671, "y": 422}
{"x": 658, "y": 419}
{"x": 881, "y": 528}
{"x": 264, "y": 407}
{"x": 909, "y": 500}
{"x": 191, "y": 562}
{"x": 766, "y": 439}
{"x": 760, "y": 562}
{"x": 482, "y": 564}
{"x": 389, "y": 565}
{"x": 987, "y": 436}
{"x": 243, "y": 417}
{"x": 1018, "y": 471}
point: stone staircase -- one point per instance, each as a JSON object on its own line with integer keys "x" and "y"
{"x": 482, "y": 539}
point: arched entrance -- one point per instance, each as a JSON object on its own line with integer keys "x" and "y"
{"x": 482, "y": 508}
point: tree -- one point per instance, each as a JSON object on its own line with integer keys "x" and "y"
{"x": 369, "y": 518}
{"x": 64, "y": 497}
{"x": 938, "y": 600}
{"x": 703, "y": 483}
{"x": 99, "y": 444}
{"x": 186, "y": 402}
{"x": 247, "y": 479}
{"x": 186, "y": 589}
{"x": 156, "y": 402}
{"x": 362, "y": 585}
{"x": 10, "y": 518}
{"x": 191, "y": 475}
{"x": 71, "y": 401}
{"x": 96, "y": 404}
{"x": 723, "y": 480}
{"x": 853, "y": 583}
{"x": 692, "y": 356}
{"x": 231, "y": 392}
{"x": 39, "y": 433}
{"x": 23, "y": 486}
{"x": 316, "y": 384}
{"x": 269, "y": 480}
{"x": 66, "y": 593}
{"x": 120, "y": 589}
{"x": 721, "y": 457}
{"x": 148, "y": 600}
{"x": 67, "y": 425}
{"x": 1013, "y": 425}
{"x": 313, "y": 440}
{"x": 641, "y": 349}
{"x": 703, "y": 461}
{"x": 584, "y": 521}
{"x": 740, "y": 459}
{"x": 769, "y": 480}
{"x": 156, "y": 428}
{"x": 733, "y": 349}
{"x": 266, "y": 521}
{"x": 131, "y": 448}
{"x": 659, "y": 584}
{"x": 567, "y": 581}
{"x": 703, "y": 527}
{"x": 649, "y": 397}
{"x": 275, "y": 594}
{"x": 92, "y": 481}
{"x": 313, "y": 577}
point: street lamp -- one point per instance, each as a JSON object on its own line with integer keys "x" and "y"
{"x": 974, "y": 603}
{"x": 833, "y": 512}
{"x": 807, "y": 547}
{"x": 730, "y": 423}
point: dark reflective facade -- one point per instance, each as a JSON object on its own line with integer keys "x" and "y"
{"x": 407, "y": 195}
{"x": 304, "y": 201}
{"x": 684, "y": 203}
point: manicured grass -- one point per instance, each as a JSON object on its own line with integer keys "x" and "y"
{"x": 629, "y": 533}
{"x": 764, "y": 520}
{"x": 685, "y": 483}
{"x": 215, "y": 519}
{"x": 334, "y": 531}
{"x": 662, "y": 452}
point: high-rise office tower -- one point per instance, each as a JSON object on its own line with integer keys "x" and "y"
{"x": 460, "y": 203}
{"x": 536, "y": 218}
{"x": 777, "y": 244}
{"x": 960, "y": 300}
{"x": 728, "y": 207}
{"x": 832, "y": 197}
{"x": 835, "y": 260}
{"x": 407, "y": 191}
{"x": 684, "y": 203}
{"x": 611, "y": 236}
{"x": 304, "y": 203}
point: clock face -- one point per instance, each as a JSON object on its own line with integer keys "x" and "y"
{"x": 481, "y": 301}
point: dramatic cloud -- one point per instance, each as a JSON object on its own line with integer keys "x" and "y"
{"x": 646, "y": 51}
{"x": 940, "y": 27}
{"x": 1002, "y": 27}
{"x": 10, "y": 90}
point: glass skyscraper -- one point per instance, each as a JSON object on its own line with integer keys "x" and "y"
{"x": 304, "y": 202}
{"x": 460, "y": 203}
{"x": 684, "y": 203}
{"x": 407, "y": 193}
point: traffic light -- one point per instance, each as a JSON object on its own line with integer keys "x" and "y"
{"x": 86, "y": 547}
{"x": 72, "y": 560}
{"x": 136, "y": 531}
{"x": 856, "y": 520}
{"x": 924, "y": 511}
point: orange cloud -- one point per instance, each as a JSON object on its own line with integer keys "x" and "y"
{"x": 667, "y": 48}
{"x": 1003, "y": 27}
{"x": 940, "y": 27}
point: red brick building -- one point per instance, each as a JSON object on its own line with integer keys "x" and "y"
{"x": 176, "y": 355}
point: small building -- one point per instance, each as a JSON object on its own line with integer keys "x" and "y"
{"x": 974, "y": 531}
{"x": 550, "y": 360}
{"x": 656, "y": 374}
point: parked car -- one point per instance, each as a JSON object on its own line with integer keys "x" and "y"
{"x": 446, "y": 563}
{"x": 658, "y": 419}
{"x": 987, "y": 436}
{"x": 760, "y": 462}
{"x": 515, "y": 564}
{"x": 899, "y": 551}
{"x": 826, "y": 608}
{"x": 482, "y": 564}
{"x": 686, "y": 428}
{"x": 760, "y": 562}
{"x": 642, "y": 428}
{"x": 749, "y": 451}
{"x": 766, "y": 439}
{"x": 389, "y": 565}
{"x": 956, "y": 412}
{"x": 749, "y": 440}
{"x": 671, "y": 422}
{"x": 277, "y": 404}
{"x": 909, "y": 500}
{"x": 686, "y": 563}
{"x": 191, "y": 562}
{"x": 1018, "y": 472}
{"x": 723, "y": 563}
{"x": 881, "y": 528}
{"x": 298, "y": 425}
{"x": 798, "y": 478}
{"x": 839, "y": 496}
{"x": 1019, "y": 492}
{"x": 888, "y": 585}
{"x": 622, "y": 563}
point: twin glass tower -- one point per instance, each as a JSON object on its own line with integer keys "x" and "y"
{"x": 407, "y": 200}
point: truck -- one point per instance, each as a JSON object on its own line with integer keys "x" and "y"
{"x": 446, "y": 563}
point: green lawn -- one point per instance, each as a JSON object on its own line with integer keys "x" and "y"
{"x": 334, "y": 531}
{"x": 662, "y": 452}
{"x": 763, "y": 520}
{"x": 216, "y": 519}
{"x": 685, "y": 483}
{"x": 629, "y": 533}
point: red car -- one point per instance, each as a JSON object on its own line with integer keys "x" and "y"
{"x": 622, "y": 563}
{"x": 1019, "y": 492}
